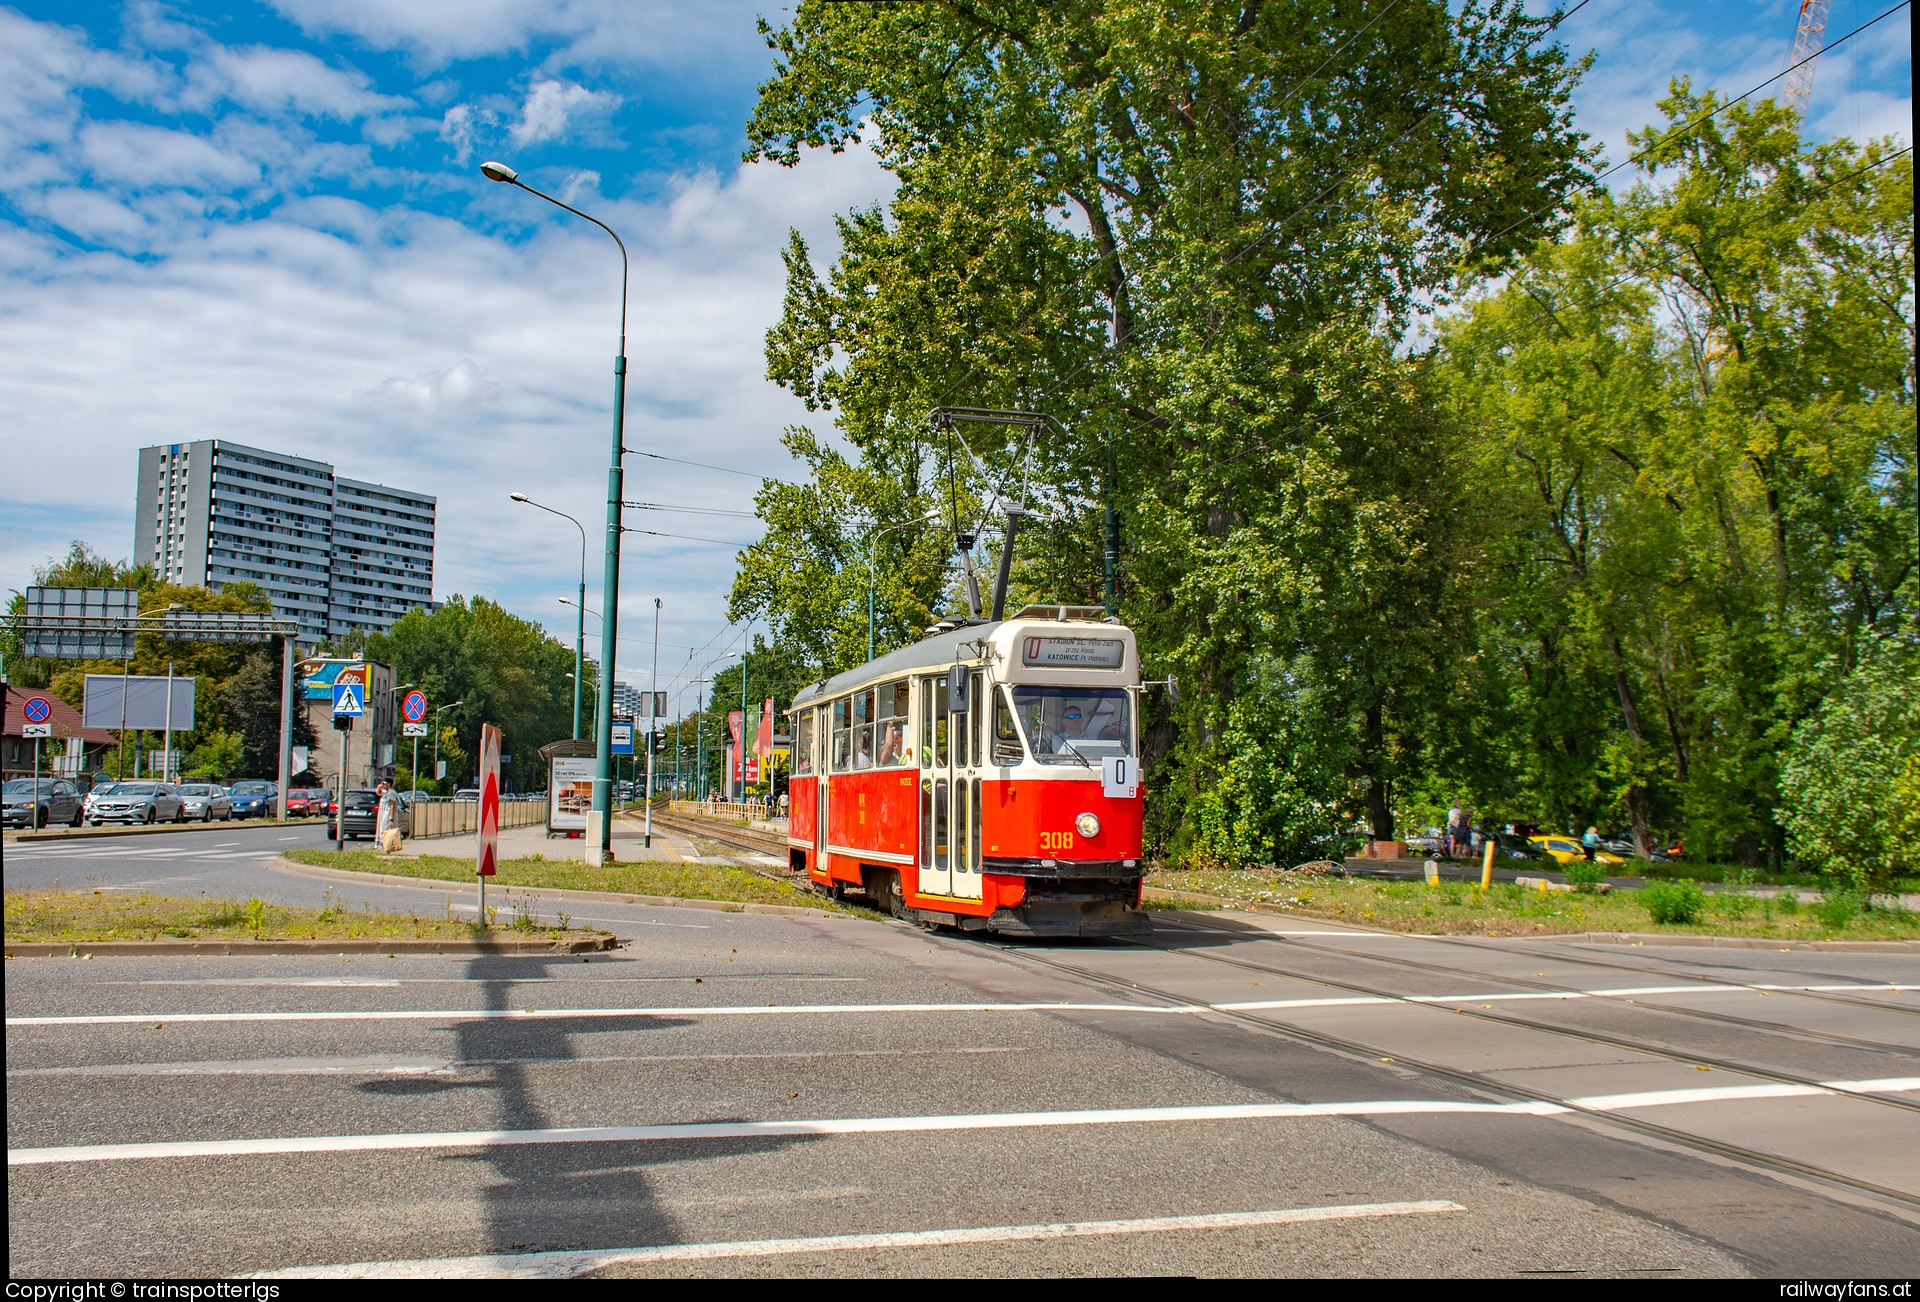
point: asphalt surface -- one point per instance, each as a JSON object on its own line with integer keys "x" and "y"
{"x": 786, "y": 1095}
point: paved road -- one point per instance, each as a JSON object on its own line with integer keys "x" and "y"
{"x": 739, "y": 1094}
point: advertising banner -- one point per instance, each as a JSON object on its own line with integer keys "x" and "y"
{"x": 145, "y": 701}
{"x": 487, "y": 854}
{"x": 569, "y": 792}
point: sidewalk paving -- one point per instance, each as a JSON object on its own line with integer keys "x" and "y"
{"x": 525, "y": 842}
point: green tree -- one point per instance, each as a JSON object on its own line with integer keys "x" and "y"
{"x": 508, "y": 672}
{"x": 1193, "y": 235}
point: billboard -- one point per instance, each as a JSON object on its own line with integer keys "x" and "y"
{"x": 569, "y": 792}
{"x": 80, "y": 623}
{"x": 146, "y": 702}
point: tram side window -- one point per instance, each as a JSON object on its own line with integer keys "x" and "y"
{"x": 863, "y": 712}
{"x": 890, "y": 724}
{"x": 842, "y": 735}
{"x": 1006, "y": 734}
{"x": 937, "y": 712}
{"x": 803, "y": 744}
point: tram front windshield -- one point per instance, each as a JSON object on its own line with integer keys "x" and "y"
{"x": 1074, "y": 725}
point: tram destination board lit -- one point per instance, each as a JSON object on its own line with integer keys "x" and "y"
{"x": 1074, "y": 652}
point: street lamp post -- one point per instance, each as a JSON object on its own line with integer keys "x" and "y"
{"x": 610, "y": 581}
{"x": 653, "y": 699}
{"x": 580, "y": 623}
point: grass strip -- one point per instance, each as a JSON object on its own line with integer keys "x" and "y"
{"x": 1462, "y": 908}
{"x": 687, "y": 881}
{"x": 91, "y": 916}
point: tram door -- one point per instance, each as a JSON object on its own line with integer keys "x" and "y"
{"x": 821, "y": 730}
{"x": 950, "y": 761}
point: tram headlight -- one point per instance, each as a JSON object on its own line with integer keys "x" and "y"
{"x": 1087, "y": 825}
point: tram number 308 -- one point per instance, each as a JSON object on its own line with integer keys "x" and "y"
{"x": 1056, "y": 840}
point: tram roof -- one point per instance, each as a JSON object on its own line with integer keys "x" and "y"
{"x": 938, "y": 650}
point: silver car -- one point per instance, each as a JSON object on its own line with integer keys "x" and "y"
{"x": 206, "y": 801}
{"x": 139, "y": 802}
{"x": 36, "y": 804}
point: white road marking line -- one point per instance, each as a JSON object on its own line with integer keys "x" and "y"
{"x": 566, "y": 1265}
{"x": 1729, "y": 1093}
{"x": 755, "y": 1010}
{"x": 224, "y": 845}
{"x": 752, "y": 1130}
{"x": 709, "y": 979}
{"x": 684, "y": 1131}
{"x": 390, "y": 1064}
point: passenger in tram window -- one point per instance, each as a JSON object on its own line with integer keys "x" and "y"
{"x": 893, "y": 736}
{"x": 863, "y": 748}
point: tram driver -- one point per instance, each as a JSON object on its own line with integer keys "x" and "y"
{"x": 1073, "y": 728}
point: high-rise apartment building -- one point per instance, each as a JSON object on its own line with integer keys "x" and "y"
{"x": 336, "y": 555}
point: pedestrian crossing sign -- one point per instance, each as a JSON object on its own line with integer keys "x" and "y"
{"x": 349, "y": 698}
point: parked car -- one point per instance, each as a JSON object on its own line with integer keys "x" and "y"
{"x": 467, "y": 793}
{"x": 140, "y": 802}
{"x": 308, "y": 802}
{"x": 1427, "y": 842}
{"x": 359, "y": 815}
{"x": 1510, "y": 846}
{"x": 254, "y": 798}
{"x": 206, "y": 801}
{"x": 102, "y": 788}
{"x": 30, "y": 804}
{"x": 1567, "y": 849}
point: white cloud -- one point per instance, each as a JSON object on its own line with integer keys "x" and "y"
{"x": 143, "y": 155}
{"x": 552, "y": 105}
{"x": 273, "y": 80}
{"x": 586, "y": 32}
{"x": 460, "y": 385}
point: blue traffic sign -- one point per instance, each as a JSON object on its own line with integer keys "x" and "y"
{"x": 38, "y": 710}
{"x": 349, "y": 698}
{"x": 415, "y": 707}
{"x": 620, "y": 740}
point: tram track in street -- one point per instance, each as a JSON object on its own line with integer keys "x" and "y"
{"x": 1770, "y": 1028}
{"x": 1505, "y": 1090}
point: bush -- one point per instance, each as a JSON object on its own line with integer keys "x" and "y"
{"x": 1585, "y": 874}
{"x": 1678, "y": 901}
{"x": 1839, "y": 906}
{"x": 1852, "y": 768}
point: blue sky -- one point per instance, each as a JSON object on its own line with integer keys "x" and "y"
{"x": 264, "y": 222}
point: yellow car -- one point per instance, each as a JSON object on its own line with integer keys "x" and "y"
{"x": 1566, "y": 849}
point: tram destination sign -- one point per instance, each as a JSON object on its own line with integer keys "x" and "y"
{"x": 1074, "y": 652}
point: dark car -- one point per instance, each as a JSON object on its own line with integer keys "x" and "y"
{"x": 36, "y": 804}
{"x": 359, "y": 815}
{"x": 253, "y": 798}
{"x": 1513, "y": 846}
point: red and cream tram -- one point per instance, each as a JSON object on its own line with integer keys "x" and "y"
{"x": 983, "y": 778}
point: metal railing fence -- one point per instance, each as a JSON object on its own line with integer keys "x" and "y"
{"x": 448, "y": 817}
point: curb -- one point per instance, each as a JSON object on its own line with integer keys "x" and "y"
{"x": 1571, "y": 937}
{"x": 566, "y": 893}
{"x": 1728, "y": 942}
{"x": 159, "y": 829}
{"x": 161, "y": 948}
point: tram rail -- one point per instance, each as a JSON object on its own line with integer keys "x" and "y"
{"x": 1522, "y": 983}
{"x": 1503, "y": 1090}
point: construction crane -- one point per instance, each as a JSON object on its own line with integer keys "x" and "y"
{"x": 1812, "y": 34}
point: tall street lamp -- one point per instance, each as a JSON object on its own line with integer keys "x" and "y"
{"x": 610, "y": 579}
{"x": 580, "y": 622}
